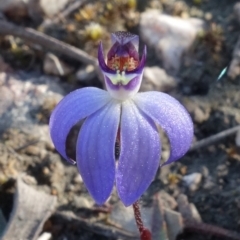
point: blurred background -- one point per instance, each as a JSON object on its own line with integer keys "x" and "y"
{"x": 193, "y": 54}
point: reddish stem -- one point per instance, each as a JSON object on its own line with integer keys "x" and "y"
{"x": 145, "y": 234}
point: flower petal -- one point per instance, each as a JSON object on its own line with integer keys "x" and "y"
{"x": 96, "y": 151}
{"x": 125, "y": 37}
{"x": 139, "y": 153}
{"x": 172, "y": 117}
{"x": 101, "y": 61}
{"x": 74, "y": 107}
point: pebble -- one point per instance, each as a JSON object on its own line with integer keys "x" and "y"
{"x": 124, "y": 217}
{"x": 192, "y": 181}
{"x": 171, "y": 37}
{"x": 236, "y": 10}
{"x": 188, "y": 210}
{"x": 156, "y": 78}
{"x": 52, "y": 7}
{"x": 205, "y": 171}
{"x": 18, "y": 9}
{"x": 237, "y": 139}
{"x": 82, "y": 202}
{"x": 32, "y": 150}
{"x": 200, "y": 111}
{"x": 77, "y": 179}
{"x": 208, "y": 184}
{"x": 234, "y": 67}
{"x": 167, "y": 200}
{"x": 45, "y": 236}
{"x": 222, "y": 170}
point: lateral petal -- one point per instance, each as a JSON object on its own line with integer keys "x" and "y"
{"x": 76, "y": 106}
{"x": 172, "y": 117}
{"x": 96, "y": 151}
{"x": 139, "y": 153}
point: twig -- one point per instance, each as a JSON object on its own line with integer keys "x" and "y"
{"x": 214, "y": 138}
{"x": 207, "y": 229}
{"x": 65, "y": 218}
{"x": 46, "y": 42}
{"x": 26, "y": 145}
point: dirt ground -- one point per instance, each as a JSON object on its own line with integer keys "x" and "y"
{"x": 28, "y": 95}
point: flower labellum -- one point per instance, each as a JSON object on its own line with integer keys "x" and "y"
{"x": 123, "y": 115}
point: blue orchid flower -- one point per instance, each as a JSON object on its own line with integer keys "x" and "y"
{"x": 122, "y": 115}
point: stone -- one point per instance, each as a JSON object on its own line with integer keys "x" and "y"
{"x": 174, "y": 222}
{"x": 205, "y": 172}
{"x": 156, "y": 78}
{"x": 188, "y": 210}
{"x": 22, "y": 96}
{"x": 124, "y": 217}
{"x": 200, "y": 111}
{"x": 45, "y": 236}
{"x": 222, "y": 170}
{"x": 167, "y": 200}
{"x": 234, "y": 67}
{"x": 82, "y": 202}
{"x": 52, "y": 7}
{"x": 166, "y": 224}
{"x": 237, "y": 138}
{"x": 171, "y": 37}
{"x": 192, "y": 180}
{"x": 236, "y": 11}
{"x": 208, "y": 184}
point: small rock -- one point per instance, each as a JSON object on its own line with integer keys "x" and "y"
{"x": 32, "y": 150}
{"x": 234, "y": 68}
{"x": 192, "y": 181}
{"x": 52, "y": 7}
{"x": 77, "y": 179}
{"x": 174, "y": 222}
{"x": 45, "y": 236}
{"x": 167, "y": 200}
{"x": 198, "y": 110}
{"x": 166, "y": 224}
{"x": 82, "y": 202}
{"x": 205, "y": 171}
{"x": 170, "y": 36}
{"x": 155, "y": 78}
{"x": 29, "y": 180}
{"x": 208, "y": 184}
{"x": 52, "y": 65}
{"x": 237, "y": 139}
{"x": 124, "y": 217}
{"x": 222, "y": 170}
{"x": 188, "y": 210}
{"x": 236, "y": 10}
{"x": 86, "y": 73}
{"x": 200, "y": 115}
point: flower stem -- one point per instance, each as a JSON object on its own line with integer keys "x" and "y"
{"x": 144, "y": 232}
